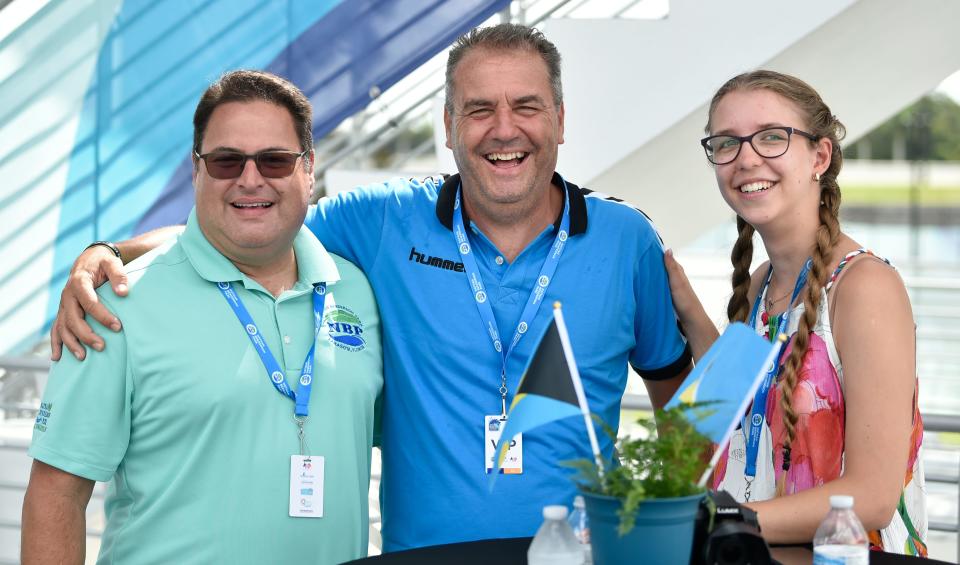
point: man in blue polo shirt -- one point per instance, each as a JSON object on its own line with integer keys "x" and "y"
{"x": 460, "y": 267}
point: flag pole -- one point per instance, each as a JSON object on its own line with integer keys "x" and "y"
{"x": 770, "y": 360}
{"x": 577, "y": 385}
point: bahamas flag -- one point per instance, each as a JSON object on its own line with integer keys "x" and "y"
{"x": 727, "y": 378}
{"x": 549, "y": 390}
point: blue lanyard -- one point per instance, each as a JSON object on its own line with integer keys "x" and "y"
{"x": 758, "y": 412}
{"x": 301, "y": 397}
{"x": 539, "y": 290}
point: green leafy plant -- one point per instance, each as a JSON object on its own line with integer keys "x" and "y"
{"x": 659, "y": 464}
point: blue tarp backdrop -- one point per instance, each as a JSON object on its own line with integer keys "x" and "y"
{"x": 128, "y": 170}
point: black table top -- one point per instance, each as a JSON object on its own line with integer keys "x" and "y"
{"x": 513, "y": 551}
{"x": 510, "y": 551}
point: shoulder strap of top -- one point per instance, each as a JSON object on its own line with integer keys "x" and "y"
{"x": 847, "y": 258}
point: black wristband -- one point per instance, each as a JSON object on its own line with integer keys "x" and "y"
{"x": 108, "y": 245}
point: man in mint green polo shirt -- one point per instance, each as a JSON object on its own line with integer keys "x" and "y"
{"x": 235, "y": 411}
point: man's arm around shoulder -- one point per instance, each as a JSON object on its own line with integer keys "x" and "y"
{"x": 95, "y": 266}
{"x": 54, "y": 517}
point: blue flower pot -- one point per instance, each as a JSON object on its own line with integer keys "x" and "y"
{"x": 663, "y": 533}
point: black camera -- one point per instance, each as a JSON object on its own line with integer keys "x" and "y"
{"x": 734, "y": 538}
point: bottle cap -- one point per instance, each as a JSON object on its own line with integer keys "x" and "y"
{"x": 555, "y": 512}
{"x": 578, "y": 502}
{"x": 841, "y": 501}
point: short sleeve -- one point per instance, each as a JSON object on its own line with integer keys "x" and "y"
{"x": 350, "y": 224}
{"x": 661, "y": 351}
{"x": 83, "y": 426}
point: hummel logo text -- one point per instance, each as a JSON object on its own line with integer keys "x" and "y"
{"x": 432, "y": 261}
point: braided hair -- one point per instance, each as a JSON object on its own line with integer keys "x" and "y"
{"x": 822, "y": 123}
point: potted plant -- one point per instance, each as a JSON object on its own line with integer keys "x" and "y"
{"x": 644, "y": 502}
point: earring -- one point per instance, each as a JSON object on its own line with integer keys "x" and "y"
{"x": 816, "y": 177}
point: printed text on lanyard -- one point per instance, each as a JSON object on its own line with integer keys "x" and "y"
{"x": 533, "y": 301}
{"x": 758, "y": 411}
{"x": 300, "y": 397}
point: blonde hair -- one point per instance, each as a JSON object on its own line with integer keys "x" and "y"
{"x": 822, "y": 123}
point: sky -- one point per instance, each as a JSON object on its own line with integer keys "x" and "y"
{"x": 951, "y": 86}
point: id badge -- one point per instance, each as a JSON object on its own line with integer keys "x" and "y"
{"x": 306, "y": 486}
{"x": 513, "y": 461}
{"x": 738, "y": 447}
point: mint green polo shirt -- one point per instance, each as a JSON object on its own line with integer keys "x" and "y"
{"x": 179, "y": 414}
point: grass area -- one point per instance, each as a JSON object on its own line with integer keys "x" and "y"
{"x": 899, "y": 195}
{"x": 949, "y": 438}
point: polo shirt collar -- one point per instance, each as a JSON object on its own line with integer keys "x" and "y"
{"x": 314, "y": 264}
{"x": 578, "y": 204}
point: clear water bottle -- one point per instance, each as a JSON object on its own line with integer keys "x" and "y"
{"x": 555, "y": 543}
{"x": 841, "y": 539}
{"x": 581, "y": 528}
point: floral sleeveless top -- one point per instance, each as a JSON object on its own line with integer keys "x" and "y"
{"x": 817, "y": 450}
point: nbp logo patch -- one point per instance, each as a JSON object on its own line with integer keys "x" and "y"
{"x": 344, "y": 328}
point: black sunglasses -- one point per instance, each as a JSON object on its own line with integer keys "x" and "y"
{"x": 272, "y": 164}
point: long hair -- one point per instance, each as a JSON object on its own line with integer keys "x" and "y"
{"x": 821, "y": 122}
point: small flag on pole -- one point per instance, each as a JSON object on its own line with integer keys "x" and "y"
{"x": 549, "y": 390}
{"x": 726, "y": 378}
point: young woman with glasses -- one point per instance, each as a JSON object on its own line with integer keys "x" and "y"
{"x": 840, "y": 413}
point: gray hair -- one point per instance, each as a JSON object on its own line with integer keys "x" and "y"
{"x": 506, "y": 37}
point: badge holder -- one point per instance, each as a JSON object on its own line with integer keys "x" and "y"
{"x": 513, "y": 461}
{"x": 306, "y": 481}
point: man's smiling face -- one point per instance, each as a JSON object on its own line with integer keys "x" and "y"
{"x": 251, "y": 216}
{"x": 504, "y": 127}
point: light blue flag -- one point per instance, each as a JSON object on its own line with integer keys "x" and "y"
{"x": 727, "y": 377}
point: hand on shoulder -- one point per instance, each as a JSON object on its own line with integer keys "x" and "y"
{"x": 697, "y": 326}
{"x": 95, "y": 266}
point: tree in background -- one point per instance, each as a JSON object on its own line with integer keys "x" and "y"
{"x": 933, "y": 120}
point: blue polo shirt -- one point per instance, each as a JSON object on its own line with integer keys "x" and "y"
{"x": 442, "y": 373}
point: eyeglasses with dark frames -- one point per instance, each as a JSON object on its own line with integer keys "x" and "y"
{"x": 272, "y": 163}
{"x": 768, "y": 143}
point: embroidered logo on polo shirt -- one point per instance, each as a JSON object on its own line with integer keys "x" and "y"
{"x": 42, "y": 416}
{"x": 344, "y": 328}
